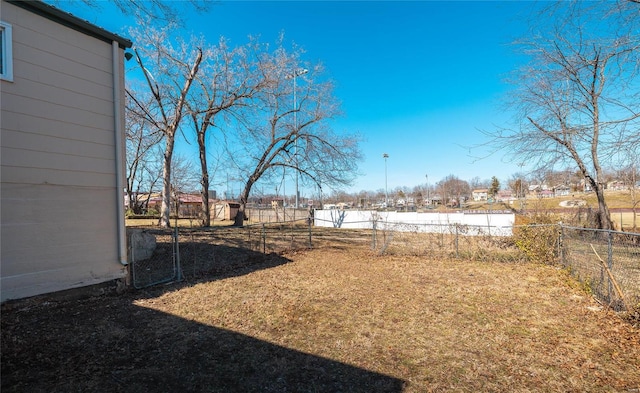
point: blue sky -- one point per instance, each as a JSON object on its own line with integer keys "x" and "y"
{"x": 417, "y": 80}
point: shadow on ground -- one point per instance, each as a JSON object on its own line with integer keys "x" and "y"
{"x": 110, "y": 344}
{"x": 200, "y": 259}
{"x": 221, "y": 252}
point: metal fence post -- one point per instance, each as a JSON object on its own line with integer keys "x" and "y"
{"x": 610, "y": 249}
{"x": 310, "y": 245}
{"x": 177, "y": 256}
{"x": 457, "y": 255}
{"x": 293, "y": 233}
{"x": 610, "y": 261}
{"x": 561, "y": 255}
{"x": 373, "y": 234}
{"x": 132, "y": 261}
{"x": 264, "y": 239}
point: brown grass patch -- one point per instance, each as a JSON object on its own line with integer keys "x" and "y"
{"x": 331, "y": 321}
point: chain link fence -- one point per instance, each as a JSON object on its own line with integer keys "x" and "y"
{"x": 153, "y": 255}
{"x": 607, "y": 262}
{"x": 444, "y": 240}
{"x": 193, "y": 252}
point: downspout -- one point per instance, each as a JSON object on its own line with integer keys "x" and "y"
{"x": 117, "y": 119}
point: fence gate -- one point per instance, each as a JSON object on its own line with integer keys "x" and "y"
{"x": 160, "y": 266}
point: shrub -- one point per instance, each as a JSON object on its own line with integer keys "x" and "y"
{"x": 537, "y": 237}
{"x": 633, "y": 317}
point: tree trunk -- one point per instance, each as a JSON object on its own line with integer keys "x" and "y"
{"x": 634, "y": 199}
{"x": 244, "y": 197}
{"x": 239, "y": 220}
{"x": 206, "y": 213}
{"x": 165, "y": 209}
{"x": 604, "y": 215}
{"x": 132, "y": 201}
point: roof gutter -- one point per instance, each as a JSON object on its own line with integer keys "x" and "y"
{"x": 118, "y": 119}
{"x": 66, "y": 19}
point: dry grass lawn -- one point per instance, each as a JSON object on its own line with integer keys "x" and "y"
{"x": 331, "y": 321}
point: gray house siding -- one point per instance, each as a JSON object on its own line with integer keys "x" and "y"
{"x": 59, "y": 199}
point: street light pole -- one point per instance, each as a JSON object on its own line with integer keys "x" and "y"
{"x": 296, "y": 73}
{"x": 428, "y": 200}
{"x": 386, "y": 194}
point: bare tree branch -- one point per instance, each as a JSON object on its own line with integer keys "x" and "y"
{"x": 578, "y": 98}
{"x": 281, "y": 135}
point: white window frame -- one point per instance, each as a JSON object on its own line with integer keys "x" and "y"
{"x": 7, "y": 52}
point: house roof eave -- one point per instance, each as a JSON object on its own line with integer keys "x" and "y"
{"x": 64, "y": 18}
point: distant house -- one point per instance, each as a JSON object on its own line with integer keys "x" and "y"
{"x": 190, "y": 205}
{"x": 344, "y": 205}
{"x": 546, "y": 194}
{"x": 616, "y": 185}
{"x": 504, "y": 196}
{"x": 537, "y": 188}
{"x": 586, "y": 187}
{"x": 480, "y": 195}
{"x": 561, "y": 190}
{"x": 62, "y": 149}
{"x": 142, "y": 199}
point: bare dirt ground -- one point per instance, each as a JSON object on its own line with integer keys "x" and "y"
{"x": 329, "y": 320}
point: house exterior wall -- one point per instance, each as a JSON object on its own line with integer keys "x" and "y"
{"x": 59, "y": 202}
{"x": 479, "y": 195}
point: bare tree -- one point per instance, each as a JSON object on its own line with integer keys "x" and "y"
{"x": 631, "y": 178}
{"x": 184, "y": 175}
{"x": 230, "y": 78}
{"x": 142, "y": 172}
{"x": 452, "y": 187}
{"x": 174, "y": 71}
{"x": 292, "y": 134}
{"x": 184, "y": 180}
{"x": 476, "y": 183}
{"x": 578, "y": 96}
{"x": 518, "y": 185}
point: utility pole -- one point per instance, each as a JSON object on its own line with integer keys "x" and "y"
{"x": 294, "y": 75}
{"x": 386, "y": 193}
{"x": 428, "y": 199}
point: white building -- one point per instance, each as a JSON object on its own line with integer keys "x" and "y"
{"x": 480, "y": 195}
